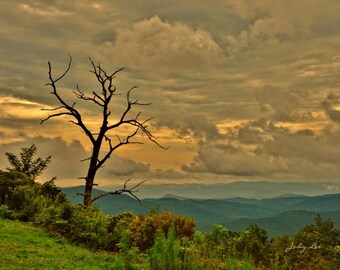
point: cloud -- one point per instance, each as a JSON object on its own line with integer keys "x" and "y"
{"x": 65, "y": 156}
{"x": 252, "y": 132}
{"x": 332, "y": 107}
{"x": 154, "y": 43}
{"x": 292, "y": 11}
{"x": 47, "y": 11}
{"x": 191, "y": 125}
{"x": 264, "y": 33}
{"x": 273, "y": 23}
{"x": 281, "y": 104}
{"x": 228, "y": 160}
{"x": 261, "y": 149}
{"x": 118, "y": 166}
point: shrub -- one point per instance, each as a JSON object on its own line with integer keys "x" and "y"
{"x": 237, "y": 264}
{"x": 117, "y": 228}
{"x": 89, "y": 226}
{"x": 164, "y": 254}
{"x": 5, "y": 212}
{"x": 320, "y": 241}
{"x": 127, "y": 255}
{"x": 26, "y": 202}
{"x": 219, "y": 242}
{"x": 142, "y": 230}
{"x": 253, "y": 242}
{"x": 10, "y": 180}
{"x": 50, "y": 190}
{"x": 56, "y": 217}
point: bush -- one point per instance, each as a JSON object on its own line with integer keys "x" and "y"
{"x": 117, "y": 227}
{"x": 50, "y": 190}
{"x": 56, "y": 217}
{"x": 253, "y": 242}
{"x": 10, "y": 180}
{"x": 320, "y": 240}
{"x": 26, "y": 202}
{"x": 142, "y": 230}
{"x": 5, "y": 212}
{"x": 164, "y": 254}
{"x": 219, "y": 242}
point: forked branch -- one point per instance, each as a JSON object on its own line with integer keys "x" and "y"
{"x": 130, "y": 191}
{"x": 69, "y": 109}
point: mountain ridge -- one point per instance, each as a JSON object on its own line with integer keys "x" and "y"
{"x": 234, "y": 212}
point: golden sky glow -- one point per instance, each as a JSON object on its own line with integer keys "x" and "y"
{"x": 240, "y": 89}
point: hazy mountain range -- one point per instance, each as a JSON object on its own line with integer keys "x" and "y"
{"x": 283, "y": 214}
{"x": 245, "y": 189}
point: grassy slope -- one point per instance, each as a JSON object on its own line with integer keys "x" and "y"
{"x": 23, "y": 246}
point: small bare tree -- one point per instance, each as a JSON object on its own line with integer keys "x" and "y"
{"x": 102, "y": 100}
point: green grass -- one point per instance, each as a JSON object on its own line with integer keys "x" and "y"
{"x": 23, "y": 246}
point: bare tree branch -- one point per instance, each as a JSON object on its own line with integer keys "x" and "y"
{"x": 79, "y": 94}
{"x": 69, "y": 108}
{"x": 130, "y": 191}
{"x": 54, "y": 115}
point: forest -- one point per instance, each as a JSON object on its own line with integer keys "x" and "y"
{"x": 157, "y": 239}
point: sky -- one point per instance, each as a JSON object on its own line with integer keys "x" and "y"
{"x": 241, "y": 90}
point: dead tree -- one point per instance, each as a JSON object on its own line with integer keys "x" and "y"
{"x": 102, "y": 100}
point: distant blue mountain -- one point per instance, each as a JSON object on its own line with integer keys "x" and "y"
{"x": 287, "y": 222}
{"x": 244, "y": 189}
{"x": 277, "y": 215}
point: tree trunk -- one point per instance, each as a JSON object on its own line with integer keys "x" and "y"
{"x": 91, "y": 174}
{"x": 89, "y": 185}
{"x": 88, "y": 193}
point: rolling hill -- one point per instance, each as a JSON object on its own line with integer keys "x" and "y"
{"x": 278, "y": 215}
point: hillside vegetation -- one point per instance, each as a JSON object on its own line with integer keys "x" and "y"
{"x": 155, "y": 240}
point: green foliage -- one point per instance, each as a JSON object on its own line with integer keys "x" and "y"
{"x": 319, "y": 242}
{"x": 218, "y": 241}
{"x": 5, "y": 212}
{"x": 50, "y": 190}
{"x": 9, "y": 180}
{"x": 55, "y": 218}
{"x": 143, "y": 228}
{"x": 89, "y": 226}
{"x": 253, "y": 242}
{"x": 85, "y": 226}
{"x": 127, "y": 255}
{"x": 118, "y": 225}
{"x": 26, "y": 164}
{"x": 196, "y": 254}
{"x": 26, "y": 202}
{"x": 164, "y": 254}
{"x": 239, "y": 264}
